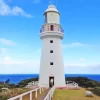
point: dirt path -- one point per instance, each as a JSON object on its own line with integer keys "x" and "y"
{"x": 44, "y": 94}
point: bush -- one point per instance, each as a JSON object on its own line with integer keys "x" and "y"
{"x": 6, "y": 86}
{"x": 1, "y": 86}
{"x": 12, "y": 85}
{"x": 84, "y": 82}
{"x": 3, "y": 97}
{"x": 23, "y": 83}
{"x": 0, "y": 90}
{"x": 96, "y": 91}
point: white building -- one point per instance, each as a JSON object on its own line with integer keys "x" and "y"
{"x": 51, "y": 65}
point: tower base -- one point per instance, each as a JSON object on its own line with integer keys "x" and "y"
{"x": 47, "y": 85}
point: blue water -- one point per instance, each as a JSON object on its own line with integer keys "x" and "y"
{"x": 15, "y": 78}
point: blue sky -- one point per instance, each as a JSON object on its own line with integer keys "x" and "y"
{"x": 20, "y": 44}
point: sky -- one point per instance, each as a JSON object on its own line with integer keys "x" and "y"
{"x": 20, "y": 44}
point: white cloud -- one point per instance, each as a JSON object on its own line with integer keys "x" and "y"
{"x": 82, "y": 59}
{"x": 19, "y": 11}
{"x": 18, "y": 69}
{"x": 81, "y": 65}
{"x": 10, "y": 61}
{"x": 10, "y": 65}
{"x": 76, "y": 44}
{"x": 3, "y": 51}
{"x": 72, "y": 69}
{"x": 7, "y": 42}
{"x": 7, "y": 10}
{"x": 75, "y": 65}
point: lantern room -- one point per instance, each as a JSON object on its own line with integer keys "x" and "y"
{"x": 51, "y": 15}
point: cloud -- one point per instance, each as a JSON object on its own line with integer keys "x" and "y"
{"x": 19, "y": 11}
{"x": 75, "y": 65}
{"x": 81, "y": 64}
{"x": 82, "y": 59}
{"x": 82, "y": 69}
{"x": 72, "y": 45}
{"x": 7, "y": 42}
{"x": 3, "y": 51}
{"x": 36, "y": 1}
{"x": 7, "y": 10}
{"x": 18, "y": 69}
{"x": 7, "y": 60}
{"x": 10, "y": 65}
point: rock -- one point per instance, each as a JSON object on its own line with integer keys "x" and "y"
{"x": 89, "y": 93}
{"x": 4, "y": 89}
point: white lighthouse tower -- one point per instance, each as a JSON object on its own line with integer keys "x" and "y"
{"x": 51, "y": 64}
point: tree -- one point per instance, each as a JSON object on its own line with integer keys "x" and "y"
{"x": 7, "y": 81}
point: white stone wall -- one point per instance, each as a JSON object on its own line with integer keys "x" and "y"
{"x": 56, "y": 70}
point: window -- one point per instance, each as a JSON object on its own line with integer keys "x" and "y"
{"x": 51, "y": 27}
{"x": 45, "y": 18}
{"x": 51, "y": 41}
{"x": 51, "y": 63}
{"x": 51, "y": 51}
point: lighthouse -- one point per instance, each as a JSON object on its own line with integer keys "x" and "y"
{"x": 51, "y": 63}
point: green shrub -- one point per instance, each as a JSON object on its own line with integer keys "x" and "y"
{"x": 23, "y": 83}
{"x": 12, "y": 85}
{"x": 84, "y": 82}
{"x": 6, "y": 85}
{"x": 3, "y": 97}
{"x": 0, "y": 90}
{"x": 1, "y": 86}
{"x": 96, "y": 91}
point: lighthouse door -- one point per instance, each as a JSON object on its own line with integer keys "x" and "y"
{"x": 51, "y": 81}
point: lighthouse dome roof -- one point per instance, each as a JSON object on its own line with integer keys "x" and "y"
{"x": 51, "y": 8}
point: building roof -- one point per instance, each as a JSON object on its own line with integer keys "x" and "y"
{"x": 51, "y": 8}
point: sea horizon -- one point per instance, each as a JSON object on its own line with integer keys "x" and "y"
{"x": 16, "y": 78}
{"x": 38, "y": 74}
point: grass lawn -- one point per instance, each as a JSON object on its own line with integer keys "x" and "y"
{"x": 63, "y": 94}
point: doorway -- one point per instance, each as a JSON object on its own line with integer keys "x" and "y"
{"x": 51, "y": 27}
{"x": 51, "y": 81}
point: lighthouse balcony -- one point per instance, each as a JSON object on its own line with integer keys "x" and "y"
{"x": 51, "y": 30}
{"x": 42, "y": 30}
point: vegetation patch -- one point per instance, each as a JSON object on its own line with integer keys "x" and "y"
{"x": 4, "y": 95}
{"x": 96, "y": 91}
{"x": 72, "y": 95}
{"x": 23, "y": 83}
{"x": 61, "y": 94}
{"x": 84, "y": 82}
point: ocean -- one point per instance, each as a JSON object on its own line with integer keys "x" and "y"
{"x": 16, "y": 78}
